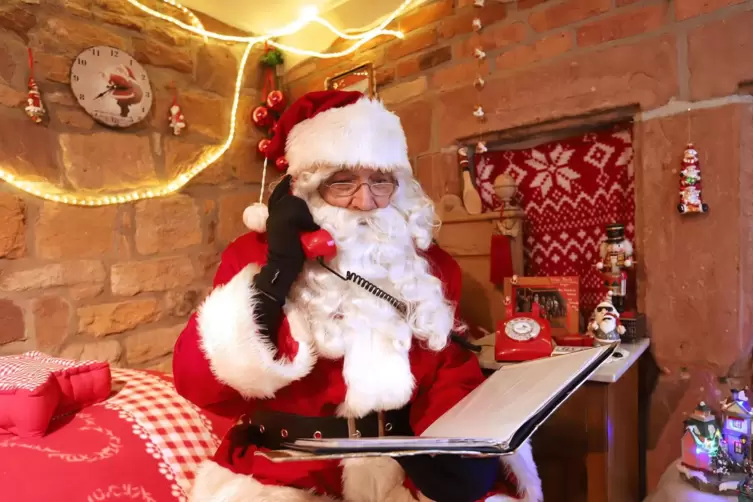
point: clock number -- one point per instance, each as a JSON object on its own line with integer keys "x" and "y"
{"x": 75, "y": 78}
{"x": 148, "y": 94}
{"x": 81, "y": 97}
{"x": 114, "y": 52}
{"x": 81, "y": 61}
{"x": 95, "y": 52}
{"x": 143, "y": 76}
{"x": 131, "y": 63}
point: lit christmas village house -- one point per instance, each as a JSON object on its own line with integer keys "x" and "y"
{"x": 718, "y": 459}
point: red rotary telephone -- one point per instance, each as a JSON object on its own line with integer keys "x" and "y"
{"x": 523, "y": 337}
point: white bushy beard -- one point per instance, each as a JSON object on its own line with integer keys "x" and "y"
{"x": 344, "y": 320}
{"x": 607, "y": 324}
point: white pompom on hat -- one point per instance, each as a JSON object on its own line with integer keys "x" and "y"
{"x": 255, "y": 217}
{"x": 327, "y": 128}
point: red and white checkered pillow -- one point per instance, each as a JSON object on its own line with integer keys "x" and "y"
{"x": 35, "y": 387}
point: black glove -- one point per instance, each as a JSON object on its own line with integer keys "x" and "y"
{"x": 451, "y": 478}
{"x": 288, "y": 217}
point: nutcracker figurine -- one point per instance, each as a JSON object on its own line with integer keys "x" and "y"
{"x": 616, "y": 257}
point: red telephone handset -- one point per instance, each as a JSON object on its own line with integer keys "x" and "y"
{"x": 318, "y": 244}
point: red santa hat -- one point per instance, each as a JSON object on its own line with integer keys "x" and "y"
{"x": 334, "y": 128}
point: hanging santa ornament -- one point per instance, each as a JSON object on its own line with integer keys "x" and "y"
{"x": 477, "y": 24}
{"x": 478, "y": 112}
{"x": 479, "y": 54}
{"x": 463, "y": 161}
{"x": 176, "y": 118}
{"x": 690, "y": 184}
{"x": 34, "y": 106}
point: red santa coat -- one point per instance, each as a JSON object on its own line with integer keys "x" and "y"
{"x": 221, "y": 361}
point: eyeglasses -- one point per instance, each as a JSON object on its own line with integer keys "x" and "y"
{"x": 349, "y": 188}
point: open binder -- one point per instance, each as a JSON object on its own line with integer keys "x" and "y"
{"x": 493, "y": 420}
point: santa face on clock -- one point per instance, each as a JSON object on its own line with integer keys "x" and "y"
{"x": 122, "y": 86}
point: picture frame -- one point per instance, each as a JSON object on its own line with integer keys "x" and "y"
{"x": 557, "y": 298}
{"x": 360, "y": 78}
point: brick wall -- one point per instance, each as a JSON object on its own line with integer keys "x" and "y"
{"x": 554, "y": 63}
{"x": 114, "y": 283}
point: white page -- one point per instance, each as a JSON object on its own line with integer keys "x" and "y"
{"x": 510, "y": 397}
{"x": 392, "y": 442}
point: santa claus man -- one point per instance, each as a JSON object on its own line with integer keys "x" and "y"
{"x": 605, "y": 326}
{"x": 297, "y": 352}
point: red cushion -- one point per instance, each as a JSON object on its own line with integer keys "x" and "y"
{"x": 35, "y": 387}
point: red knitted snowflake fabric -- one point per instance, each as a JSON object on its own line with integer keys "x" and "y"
{"x": 570, "y": 190}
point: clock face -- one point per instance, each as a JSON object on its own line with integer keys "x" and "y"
{"x": 111, "y": 86}
{"x": 522, "y": 329}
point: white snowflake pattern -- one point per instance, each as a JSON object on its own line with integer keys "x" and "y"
{"x": 599, "y": 154}
{"x": 484, "y": 171}
{"x": 552, "y": 169}
{"x": 626, "y": 159}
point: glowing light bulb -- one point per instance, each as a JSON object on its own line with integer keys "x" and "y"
{"x": 309, "y": 12}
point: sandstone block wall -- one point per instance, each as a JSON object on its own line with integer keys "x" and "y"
{"x": 554, "y": 63}
{"x": 115, "y": 283}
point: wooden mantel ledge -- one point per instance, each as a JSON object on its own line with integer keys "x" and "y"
{"x": 466, "y": 218}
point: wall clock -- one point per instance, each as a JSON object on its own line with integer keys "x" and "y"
{"x": 111, "y": 86}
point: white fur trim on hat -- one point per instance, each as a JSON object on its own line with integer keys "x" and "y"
{"x": 255, "y": 217}
{"x": 363, "y": 134}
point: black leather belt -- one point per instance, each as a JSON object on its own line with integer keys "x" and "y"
{"x": 270, "y": 429}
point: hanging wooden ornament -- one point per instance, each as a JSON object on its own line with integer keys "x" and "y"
{"x": 479, "y": 83}
{"x": 690, "y": 183}
{"x": 479, "y": 54}
{"x": 477, "y": 24}
{"x": 478, "y": 112}
{"x": 176, "y": 118}
{"x": 481, "y": 147}
{"x": 478, "y": 3}
{"x": 34, "y": 106}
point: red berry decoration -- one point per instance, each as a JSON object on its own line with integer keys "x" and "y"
{"x": 281, "y": 163}
{"x": 261, "y": 116}
{"x": 263, "y": 145}
{"x": 276, "y": 101}
{"x": 272, "y": 127}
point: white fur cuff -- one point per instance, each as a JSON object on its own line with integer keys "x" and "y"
{"x": 216, "y": 484}
{"x": 239, "y": 355}
{"x": 522, "y": 465}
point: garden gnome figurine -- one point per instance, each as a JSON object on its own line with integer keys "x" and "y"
{"x": 605, "y": 325}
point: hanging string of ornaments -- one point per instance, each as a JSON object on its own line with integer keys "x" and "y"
{"x": 266, "y": 115}
{"x": 470, "y": 197}
{"x": 479, "y": 83}
{"x": 690, "y": 183}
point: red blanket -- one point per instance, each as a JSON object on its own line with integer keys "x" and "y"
{"x": 143, "y": 443}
